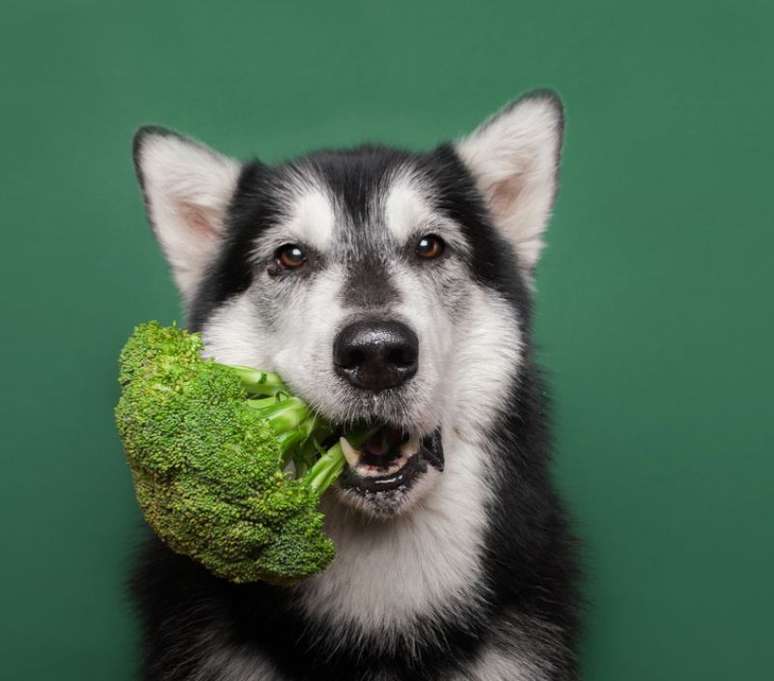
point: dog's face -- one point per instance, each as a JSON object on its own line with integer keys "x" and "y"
{"x": 367, "y": 279}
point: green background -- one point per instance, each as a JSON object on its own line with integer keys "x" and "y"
{"x": 655, "y": 310}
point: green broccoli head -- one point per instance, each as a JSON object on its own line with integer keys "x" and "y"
{"x": 208, "y": 460}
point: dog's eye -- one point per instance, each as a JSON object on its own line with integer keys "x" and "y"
{"x": 290, "y": 256}
{"x": 430, "y": 246}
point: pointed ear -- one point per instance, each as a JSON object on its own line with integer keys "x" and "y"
{"x": 514, "y": 158}
{"x": 187, "y": 188}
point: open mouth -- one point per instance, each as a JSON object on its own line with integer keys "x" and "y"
{"x": 388, "y": 463}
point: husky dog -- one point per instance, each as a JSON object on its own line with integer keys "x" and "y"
{"x": 394, "y": 287}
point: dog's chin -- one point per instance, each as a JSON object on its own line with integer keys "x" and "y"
{"x": 390, "y": 472}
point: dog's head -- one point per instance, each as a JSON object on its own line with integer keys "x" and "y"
{"x": 379, "y": 283}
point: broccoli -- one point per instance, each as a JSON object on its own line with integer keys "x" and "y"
{"x": 211, "y": 448}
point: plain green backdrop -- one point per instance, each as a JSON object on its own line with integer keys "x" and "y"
{"x": 655, "y": 294}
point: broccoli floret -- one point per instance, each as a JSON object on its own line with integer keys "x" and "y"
{"x": 210, "y": 447}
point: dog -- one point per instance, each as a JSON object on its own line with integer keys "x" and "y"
{"x": 393, "y": 287}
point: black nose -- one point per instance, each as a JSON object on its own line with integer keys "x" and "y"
{"x": 376, "y": 355}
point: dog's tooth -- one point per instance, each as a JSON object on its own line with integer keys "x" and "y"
{"x": 410, "y": 446}
{"x": 351, "y": 454}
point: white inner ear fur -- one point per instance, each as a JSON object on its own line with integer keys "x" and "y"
{"x": 187, "y": 189}
{"x": 514, "y": 158}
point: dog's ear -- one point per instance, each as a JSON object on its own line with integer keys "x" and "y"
{"x": 514, "y": 158}
{"x": 187, "y": 188}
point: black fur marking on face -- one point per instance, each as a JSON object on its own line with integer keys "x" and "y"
{"x": 356, "y": 180}
{"x": 368, "y": 284}
{"x": 356, "y": 177}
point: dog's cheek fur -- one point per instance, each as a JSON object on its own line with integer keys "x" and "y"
{"x": 304, "y": 338}
{"x": 281, "y": 326}
{"x": 427, "y": 310}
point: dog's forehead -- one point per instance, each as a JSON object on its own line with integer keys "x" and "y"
{"x": 335, "y": 206}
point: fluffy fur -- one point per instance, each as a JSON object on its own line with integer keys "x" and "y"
{"x": 472, "y": 574}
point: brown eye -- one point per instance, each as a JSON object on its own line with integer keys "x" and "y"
{"x": 430, "y": 246}
{"x": 290, "y": 256}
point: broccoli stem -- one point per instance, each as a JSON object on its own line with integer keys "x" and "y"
{"x": 287, "y": 441}
{"x": 290, "y": 418}
{"x": 330, "y": 465}
{"x": 295, "y": 425}
{"x": 325, "y": 470}
{"x": 260, "y": 382}
{"x": 284, "y": 413}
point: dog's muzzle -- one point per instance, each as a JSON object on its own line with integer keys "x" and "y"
{"x": 384, "y": 469}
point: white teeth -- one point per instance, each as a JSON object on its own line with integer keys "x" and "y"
{"x": 353, "y": 457}
{"x": 351, "y": 454}
{"x": 410, "y": 447}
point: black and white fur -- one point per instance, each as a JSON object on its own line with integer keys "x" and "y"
{"x": 471, "y": 573}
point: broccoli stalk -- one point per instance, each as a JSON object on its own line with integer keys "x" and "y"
{"x": 227, "y": 464}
